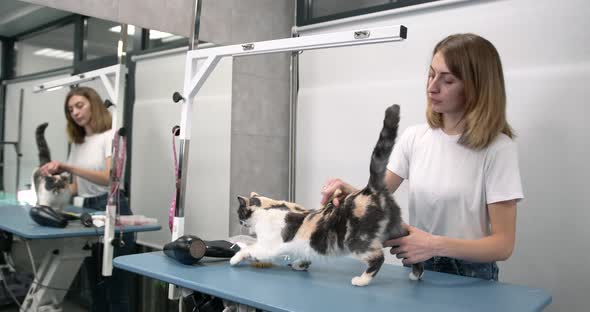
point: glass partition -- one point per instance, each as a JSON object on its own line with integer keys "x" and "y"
{"x": 46, "y": 51}
{"x": 317, "y": 11}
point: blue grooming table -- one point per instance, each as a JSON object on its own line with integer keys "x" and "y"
{"x": 61, "y": 263}
{"x": 326, "y": 286}
{"x": 15, "y": 219}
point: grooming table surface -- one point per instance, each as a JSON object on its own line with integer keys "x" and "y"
{"x": 15, "y": 219}
{"x": 326, "y": 286}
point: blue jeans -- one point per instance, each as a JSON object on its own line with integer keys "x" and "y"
{"x": 109, "y": 294}
{"x": 486, "y": 270}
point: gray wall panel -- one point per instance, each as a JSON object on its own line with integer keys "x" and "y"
{"x": 260, "y": 104}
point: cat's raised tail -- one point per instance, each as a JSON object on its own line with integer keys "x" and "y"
{"x": 383, "y": 148}
{"x": 44, "y": 154}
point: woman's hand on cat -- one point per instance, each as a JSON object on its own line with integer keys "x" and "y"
{"x": 330, "y": 187}
{"x": 51, "y": 168}
{"x": 417, "y": 246}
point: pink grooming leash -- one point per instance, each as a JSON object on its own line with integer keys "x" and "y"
{"x": 119, "y": 148}
{"x": 173, "y": 204}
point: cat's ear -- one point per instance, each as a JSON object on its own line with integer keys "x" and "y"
{"x": 243, "y": 201}
{"x": 254, "y": 194}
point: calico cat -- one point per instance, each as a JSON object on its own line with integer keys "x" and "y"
{"x": 358, "y": 227}
{"x": 54, "y": 190}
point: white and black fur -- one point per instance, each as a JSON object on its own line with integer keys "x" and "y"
{"x": 358, "y": 227}
{"x": 53, "y": 191}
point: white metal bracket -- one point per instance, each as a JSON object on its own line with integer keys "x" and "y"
{"x": 112, "y": 87}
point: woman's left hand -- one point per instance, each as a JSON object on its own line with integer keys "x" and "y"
{"x": 417, "y": 246}
{"x": 52, "y": 167}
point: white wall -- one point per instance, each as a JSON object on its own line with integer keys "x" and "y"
{"x": 208, "y": 177}
{"x": 546, "y": 56}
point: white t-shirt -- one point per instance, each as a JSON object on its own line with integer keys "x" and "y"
{"x": 450, "y": 185}
{"x": 92, "y": 155}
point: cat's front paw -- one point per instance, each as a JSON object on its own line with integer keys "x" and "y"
{"x": 300, "y": 265}
{"x": 238, "y": 257}
{"x": 362, "y": 280}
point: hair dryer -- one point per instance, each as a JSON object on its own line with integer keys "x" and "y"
{"x": 47, "y": 216}
{"x": 189, "y": 249}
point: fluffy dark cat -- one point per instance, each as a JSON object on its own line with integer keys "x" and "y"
{"x": 358, "y": 227}
{"x": 54, "y": 190}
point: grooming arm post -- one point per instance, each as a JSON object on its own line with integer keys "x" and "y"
{"x": 111, "y": 209}
{"x": 185, "y": 130}
{"x": 196, "y": 75}
{"x": 116, "y": 94}
{"x": 117, "y": 124}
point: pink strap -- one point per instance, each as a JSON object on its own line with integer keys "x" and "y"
{"x": 119, "y": 148}
{"x": 173, "y": 204}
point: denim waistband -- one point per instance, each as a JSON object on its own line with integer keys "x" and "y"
{"x": 96, "y": 200}
{"x": 485, "y": 270}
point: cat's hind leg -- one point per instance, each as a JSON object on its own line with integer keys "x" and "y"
{"x": 417, "y": 268}
{"x": 374, "y": 259}
{"x": 417, "y": 271}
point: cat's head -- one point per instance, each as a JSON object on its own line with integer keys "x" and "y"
{"x": 57, "y": 183}
{"x": 249, "y": 205}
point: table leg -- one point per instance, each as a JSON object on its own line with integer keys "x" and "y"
{"x": 59, "y": 267}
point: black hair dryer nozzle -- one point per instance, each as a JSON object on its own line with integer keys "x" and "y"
{"x": 189, "y": 249}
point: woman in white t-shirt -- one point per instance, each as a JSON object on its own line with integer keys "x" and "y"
{"x": 89, "y": 131}
{"x": 462, "y": 166}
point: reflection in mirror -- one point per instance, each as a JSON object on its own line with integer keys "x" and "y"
{"x": 36, "y": 109}
{"x": 46, "y": 51}
{"x": 160, "y": 38}
{"x": 44, "y": 37}
{"x": 44, "y": 43}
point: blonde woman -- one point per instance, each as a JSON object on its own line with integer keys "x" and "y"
{"x": 89, "y": 131}
{"x": 461, "y": 166}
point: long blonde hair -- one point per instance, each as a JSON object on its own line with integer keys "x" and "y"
{"x": 100, "y": 118}
{"x": 476, "y": 62}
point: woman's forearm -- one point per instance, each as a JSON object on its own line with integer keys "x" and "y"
{"x": 98, "y": 177}
{"x": 491, "y": 248}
